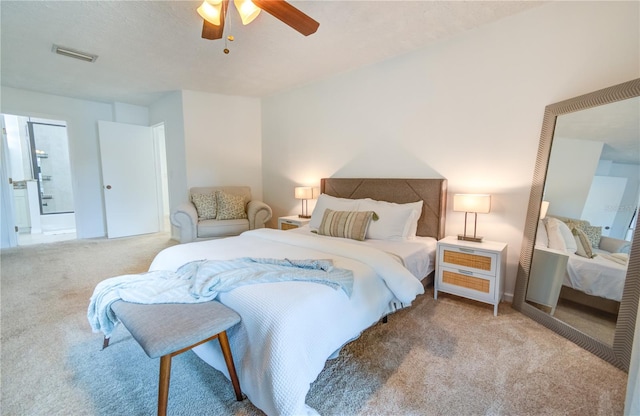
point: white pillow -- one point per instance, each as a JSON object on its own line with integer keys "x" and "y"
{"x": 395, "y": 221}
{"x": 567, "y": 235}
{"x": 561, "y": 231}
{"x": 556, "y": 241}
{"x": 336, "y": 204}
{"x": 413, "y": 222}
{"x": 542, "y": 239}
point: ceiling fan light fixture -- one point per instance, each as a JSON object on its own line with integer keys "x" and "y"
{"x": 210, "y": 11}
{"x": 247, "y": 10}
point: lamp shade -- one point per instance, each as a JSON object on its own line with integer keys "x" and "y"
{"x": 210, "y": 11}
{"x": 478, "y": 203}
{"x": 544, "y": 207}
{"x": 303, "y": 192}
{"x": 306, "y": 192}
{"x": 247, "y": 10}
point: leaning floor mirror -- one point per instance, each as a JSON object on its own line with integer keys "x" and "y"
{"x": 579, "y": 271}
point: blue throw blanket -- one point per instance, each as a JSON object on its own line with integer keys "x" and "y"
{"x": 203, "y": 280}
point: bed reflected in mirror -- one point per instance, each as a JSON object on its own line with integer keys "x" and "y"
{"x": 578, "y": 257}
{"x": 590, "y": 200}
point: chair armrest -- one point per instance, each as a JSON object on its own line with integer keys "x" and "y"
{"x": 185, "y": 217}
{"x": 614, "y": 245}
{"x": 258, "y": 213}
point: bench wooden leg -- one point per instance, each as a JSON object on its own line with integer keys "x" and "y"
{"x": 163, "y": 385}
{"x": 228, "y": 358}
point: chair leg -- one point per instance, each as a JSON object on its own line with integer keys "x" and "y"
{"x": 228, "y": 358}
{"x": 163, "y": 385}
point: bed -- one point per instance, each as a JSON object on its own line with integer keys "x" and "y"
{"x": 597, "y": 282}
{"x": 594, "y": 276}
{"x": 598, "y": 276}
{"x": 289, "y": 329}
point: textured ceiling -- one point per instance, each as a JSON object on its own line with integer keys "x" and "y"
{"x": 147, "y": 48}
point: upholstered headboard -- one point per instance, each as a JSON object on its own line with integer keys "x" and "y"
{"x": 432, "y": 191}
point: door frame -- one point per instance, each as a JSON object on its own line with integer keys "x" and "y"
{"x": 8, "y": 216}
{"x": 160, "y": 153}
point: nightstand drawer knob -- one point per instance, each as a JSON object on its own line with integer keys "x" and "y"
{"x": 467, "y": 272}
{"x": 466, "y": 250}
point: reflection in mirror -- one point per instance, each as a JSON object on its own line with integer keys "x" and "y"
{"x": 591, "y": 197}
{"x": 580, "y": 259}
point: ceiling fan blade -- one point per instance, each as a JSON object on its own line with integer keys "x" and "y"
{"x": 211, "y": 31}
{"x": 288, "y": 14}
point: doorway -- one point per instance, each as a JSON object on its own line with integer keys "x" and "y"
{"x": 40, "y": 175}
{"x": 160, "y": 147}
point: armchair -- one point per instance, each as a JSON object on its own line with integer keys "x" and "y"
{"x": 219, "y": 211}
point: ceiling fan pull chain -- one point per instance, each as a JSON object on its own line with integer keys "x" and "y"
{"x": 229, "y": 38}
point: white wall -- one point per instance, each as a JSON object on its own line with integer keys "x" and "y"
{"x": 223, "y": 140}
{"x": 169, "y": 111}
{"x": 630, "y": 199}
{"x": 567, "y": 188}
{"x": 130, "y": 114}
{"x": 469, "y": 109}
{"x": 81, "y": 117}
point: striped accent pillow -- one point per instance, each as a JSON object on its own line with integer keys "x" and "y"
{"x": 345, "y": 224}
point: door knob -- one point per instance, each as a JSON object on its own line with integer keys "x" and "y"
{"x": 108, "y": 186}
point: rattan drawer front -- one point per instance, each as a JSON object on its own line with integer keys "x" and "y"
{"x": 287, "y": 226}
{"x": 477, "y": 261}
{"x": 469, "y": 282}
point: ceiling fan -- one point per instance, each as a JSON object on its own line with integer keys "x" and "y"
{"x": 214, "y": 14}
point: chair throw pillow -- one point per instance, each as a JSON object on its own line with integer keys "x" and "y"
{"x": 205, "y": 205}
{"x": 346, "y": 224}
{"x": 230, "y": 207}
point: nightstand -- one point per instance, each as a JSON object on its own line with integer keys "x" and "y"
{"x": 292, "y": 221}
{"x": 546, "y": 275}
{"x": 472, "y": 270}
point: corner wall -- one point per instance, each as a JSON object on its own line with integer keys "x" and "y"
{"x": 223, "y": 142}
{"x": 469, "y": 109}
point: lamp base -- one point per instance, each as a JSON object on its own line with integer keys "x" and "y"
{"x": 470, "y": 238}
{"x": 304, "y": 216}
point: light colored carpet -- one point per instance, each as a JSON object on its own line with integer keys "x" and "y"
{"x": 597, "y": 324}
{"x": 445, "y": 357}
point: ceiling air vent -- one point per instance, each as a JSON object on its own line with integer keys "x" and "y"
{"x": 73, "y": 53}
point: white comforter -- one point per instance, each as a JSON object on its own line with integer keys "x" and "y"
{"x": 598, "y": 276}
{"x": 289, "y": 329}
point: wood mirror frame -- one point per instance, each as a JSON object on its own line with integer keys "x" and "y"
{"x": 620, "y": 353}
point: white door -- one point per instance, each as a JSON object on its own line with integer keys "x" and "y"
{"x": 129, "y": 179}
{"x": 603, "y": 202}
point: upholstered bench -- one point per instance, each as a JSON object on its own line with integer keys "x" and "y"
{"x": 168, "y": 329}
